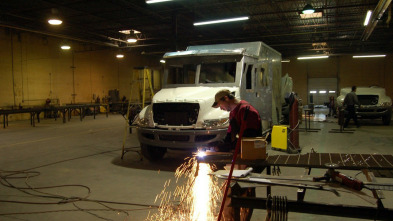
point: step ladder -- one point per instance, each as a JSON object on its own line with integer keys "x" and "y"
{"x": 144, "y": 78}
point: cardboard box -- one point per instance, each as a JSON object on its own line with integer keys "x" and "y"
{"x": 253, "y": 148}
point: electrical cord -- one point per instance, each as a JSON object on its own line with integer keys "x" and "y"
{"x": 6, "y": 176}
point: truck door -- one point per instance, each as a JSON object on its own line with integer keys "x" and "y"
{"x": 250, "y": 88}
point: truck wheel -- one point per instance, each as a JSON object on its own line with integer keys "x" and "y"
{"x": 153, "y": 153}
{"x": 386, "y": 119}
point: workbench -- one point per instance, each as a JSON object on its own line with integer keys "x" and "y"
{"x": 362, "y": 162}
{"x": 66, "y": 111}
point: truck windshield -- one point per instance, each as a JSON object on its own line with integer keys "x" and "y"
{"x": 217, "y": 73}
{"x": 182, "y": 74}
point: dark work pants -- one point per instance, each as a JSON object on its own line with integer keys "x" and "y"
{"x": 351, "y": 115}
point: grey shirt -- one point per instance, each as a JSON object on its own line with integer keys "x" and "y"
{"x": 351, "y": 99}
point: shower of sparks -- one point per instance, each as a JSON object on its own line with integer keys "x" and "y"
{"x": 196, "y": 197}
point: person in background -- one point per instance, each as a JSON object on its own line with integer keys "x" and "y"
{"x": 226, "y": 101}
{"x": 350, "y": 100}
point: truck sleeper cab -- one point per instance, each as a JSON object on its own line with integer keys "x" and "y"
{"x": 181, "y": 117}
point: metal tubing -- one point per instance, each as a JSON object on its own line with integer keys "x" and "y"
{"x": 361, "y": 212}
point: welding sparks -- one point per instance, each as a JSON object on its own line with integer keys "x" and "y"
{"x": 197, "y": 199}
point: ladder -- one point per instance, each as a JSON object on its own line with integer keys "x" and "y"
{"x": 146, "y": 77}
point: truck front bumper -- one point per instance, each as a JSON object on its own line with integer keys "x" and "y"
{"x": 180, "y": 139}
{"x": 373, "y": 112}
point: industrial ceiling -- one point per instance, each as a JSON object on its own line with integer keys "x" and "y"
{"x": 169, "y": 26}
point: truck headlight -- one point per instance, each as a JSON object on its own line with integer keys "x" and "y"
{"x": 217, "y": 123}
{"x": 142, "y": 122}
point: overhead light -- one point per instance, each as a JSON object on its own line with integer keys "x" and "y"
{"x": 162, "y": 61}
{"x": 156, "y": 1}
{"x": 368, "y": 16}
{"x": 332, "y": 92}
{"x": 54, "y": 17}
{"x": 322, "y": 92}
{"x": 313, "y": 92}
{"x": 308, "y": 9}
{"x": 65, "y": 47}
{"x": 312, "y": 57}
{"x": 285, "y": 61}
{"x": 369, "y": 56}
{"x": 132, "y": 40}
{"x": 55, "y": 21}
{"x": 120, "y": 55}
{"x": 221, "y": 21}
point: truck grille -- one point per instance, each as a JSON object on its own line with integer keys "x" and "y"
{"x": 368, "y": 99}
{"x": 175, "y": 114}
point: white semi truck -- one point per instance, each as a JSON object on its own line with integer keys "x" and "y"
{"x": 181, "y": 115}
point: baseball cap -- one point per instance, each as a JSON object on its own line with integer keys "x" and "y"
{"x": 219, "y": 95}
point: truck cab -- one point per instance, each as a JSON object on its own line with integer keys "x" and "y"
{"x": 181, "y": 115}
{"x": 374, "y": 103}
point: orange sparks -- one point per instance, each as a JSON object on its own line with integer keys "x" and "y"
{"x": 196, "y": 197}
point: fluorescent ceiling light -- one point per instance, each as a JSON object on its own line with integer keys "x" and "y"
{"x": 132, "y": 40}
{"x": 312, "y": 15}
{"x": 221, "y": 21}
{"x": 322, "y": 92}
{"x": 312, "y": 57}
{"x": 367, "y": 19}
{"x": 156, "y": 1}
{"x": 65, "y": 47}
{"x": 120, "y": 55}
{"x": 332, "y": 92}
{"x": 313, "y": 92}
{"x": 285, "y": 61}
{"x": 55, "y": 21}
{"x": 369, "y": 56}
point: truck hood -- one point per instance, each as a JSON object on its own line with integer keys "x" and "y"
{"x": 204, "y": 96}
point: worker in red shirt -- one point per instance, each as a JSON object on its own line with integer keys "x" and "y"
{"x": 225, "y": 100}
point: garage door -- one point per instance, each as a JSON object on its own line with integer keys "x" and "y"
{"x": 320, "y": 89}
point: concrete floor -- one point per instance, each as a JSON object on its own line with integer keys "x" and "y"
{"x": 87, "y": 155}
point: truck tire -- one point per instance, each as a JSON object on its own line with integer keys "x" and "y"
{"x": 387, "y": 118}
{"x": 153, "y": 153}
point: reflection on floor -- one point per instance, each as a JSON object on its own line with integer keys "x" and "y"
{"x": 321, "y": 114}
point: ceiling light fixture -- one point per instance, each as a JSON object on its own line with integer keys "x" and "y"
{"x": 156, "y": 1}
{"x": 162, "y": 61}
{"x": 286, "y": 61}
{"x": 368, "y": 16}
{"x": 55, "y": 21}
{"x": 54, "y": 17}
{"x": 65, "y": 47}
{"x": 221, "y": 21}
{"x": 312, "y": 57}
{"x": 120, "y": 55}
{"x": 369, "y": 56}
{"x": 132, "y": 40}
{"x": 308, "y": 9}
